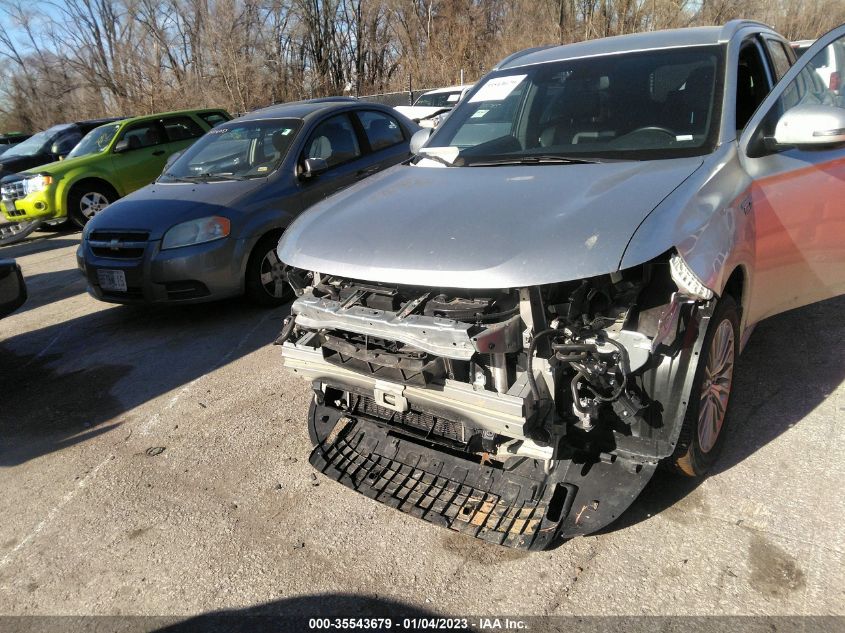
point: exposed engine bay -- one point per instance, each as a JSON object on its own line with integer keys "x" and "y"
{"x": 532, "y": 413}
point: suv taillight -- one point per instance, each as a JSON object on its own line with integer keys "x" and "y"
{"x": 835, "y": 81}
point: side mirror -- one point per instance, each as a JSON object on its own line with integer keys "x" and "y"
{"x": 314, "y": 167}
{"x": 12, "y": 287}
{"x": 811, "y": 125}
{"x": 121, "y": 146}
{"x": 170, "y": 159}
{"x": 62, "y": 148}
{"x": 419, "y": 139}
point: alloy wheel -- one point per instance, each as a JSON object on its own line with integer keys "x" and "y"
{"x": 92, "y": 203}
{"x": 273, "y": 278}
{"x": 716, "y": 387}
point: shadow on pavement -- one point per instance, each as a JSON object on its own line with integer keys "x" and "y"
{"x": 293, "y": 614}
{"x": 39, "y": 244}
{"x": 796, "y": 356}
{"x": 45, "y": 288}
{"x": 71, "y": 381}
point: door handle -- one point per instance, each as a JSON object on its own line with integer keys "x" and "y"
{"x": 158, "y": 152}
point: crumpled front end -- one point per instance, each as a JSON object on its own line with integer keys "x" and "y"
{"x": 517, "y": 415}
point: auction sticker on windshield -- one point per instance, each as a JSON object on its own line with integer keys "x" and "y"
{"x": 114, "y": 280}
{"x": 497, "y": 88}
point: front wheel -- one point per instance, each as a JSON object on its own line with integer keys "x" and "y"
{"x": 702, "y": 434}
{"x": 266, "y": 283}
{"x": 84, "y": 202}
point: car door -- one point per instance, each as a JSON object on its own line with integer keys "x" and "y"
{"x": 385, "y": 139}
{"x": 336, "y": 141}
{"x": 797, "y": 196}
{"x": 143, "y": 155}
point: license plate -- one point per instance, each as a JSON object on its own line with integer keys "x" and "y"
{"x": 10, "y": 206}
{"x": 112, "y": 280}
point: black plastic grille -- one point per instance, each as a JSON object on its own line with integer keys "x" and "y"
{"x": 118, "y": 244}
{"x": 494, "y": 506}
{"x": 425, "y": 422}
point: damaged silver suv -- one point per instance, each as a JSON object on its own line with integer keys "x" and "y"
{"x": 509, "y": 333}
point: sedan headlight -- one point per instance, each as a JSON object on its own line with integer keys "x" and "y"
{"x": 196, "y": 232}
{"x": 34, "y": 184}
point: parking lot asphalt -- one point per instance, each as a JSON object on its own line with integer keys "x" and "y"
{"x": 154, "y": 460}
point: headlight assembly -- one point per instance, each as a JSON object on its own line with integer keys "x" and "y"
{"x": 687, "y": 281}
{"x": 37, "y": 183}
{"x": 196, "y": 232}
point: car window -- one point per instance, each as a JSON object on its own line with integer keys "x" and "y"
{"x": 382, "y": 130}
{"x": 752, "y": 84}
{"x": 439, "y": 99}
{"x": 236, "y": 150}
{"x": 334, "y": 141}
{"x": 142, "y": 135}
{"x": 96, "y": 141}
{"x": 780, "y": 59}
{"x": 39, "y": 142}
{"x": 810, "y": 87}
{"x": 69, "y": 139}
{"x": 213, "y": 118}
{"x": 180, "y": 128}
{"x": 650, "y": 104}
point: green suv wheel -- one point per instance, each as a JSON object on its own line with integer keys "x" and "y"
{"x": 86, "y": 201}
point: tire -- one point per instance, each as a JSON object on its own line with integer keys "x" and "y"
{"x": 264, "y": 284}
{"x": 85, "y": 201}
{"x": 703, "y": 431}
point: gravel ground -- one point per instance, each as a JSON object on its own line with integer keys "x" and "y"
{"x": 153, "y": 461}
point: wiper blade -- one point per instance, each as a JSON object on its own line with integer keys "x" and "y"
{"x": 535, "y": 160}
{"x": 206, "y": 177}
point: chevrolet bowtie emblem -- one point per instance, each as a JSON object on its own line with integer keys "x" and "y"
{"x": 114, "y": 245}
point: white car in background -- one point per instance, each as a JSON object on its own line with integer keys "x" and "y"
{"x": 429, "y": 106}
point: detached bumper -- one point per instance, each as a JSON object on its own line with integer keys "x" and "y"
{"x": 522, "y": 508}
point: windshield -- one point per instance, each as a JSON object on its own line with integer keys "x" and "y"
{"x": 96, "y": 141}
{"x": 37, "y": 143}
{"x": 439, "y": 99}
{"x": 250, "y": 149}
{"x": 645, "y": 105}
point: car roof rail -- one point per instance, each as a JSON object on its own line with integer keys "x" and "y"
{"x": 518, "y": 54}
{"x": 331, "y": 100}
{"x": 731, "y": 27}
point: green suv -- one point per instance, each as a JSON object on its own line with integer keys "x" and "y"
{"x": 109, "y": 162}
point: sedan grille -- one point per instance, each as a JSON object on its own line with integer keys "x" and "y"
{"x": 118, "y": 244}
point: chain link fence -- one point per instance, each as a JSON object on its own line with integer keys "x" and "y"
{"x": 393, "y": 99}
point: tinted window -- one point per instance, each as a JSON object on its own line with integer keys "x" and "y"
{"x": 143, "y": 135}
{"x": 381, "y": 129}
{"x": 182, "y": 127}
{"x": 752, "y": 85}
{"x": 40, "y": 142}
{"x": 780, "y": 60}
{"x": 334, "y": 141}
{"x": 213, "y": 118}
